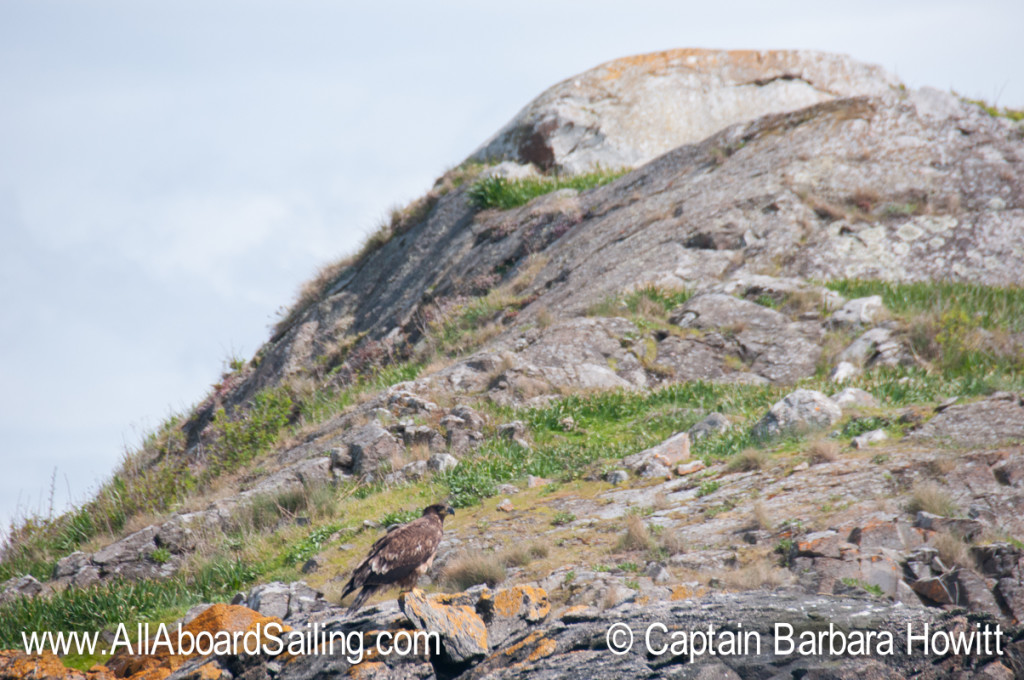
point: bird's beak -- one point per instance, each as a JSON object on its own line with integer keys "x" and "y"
{"x": 450, "y": 510}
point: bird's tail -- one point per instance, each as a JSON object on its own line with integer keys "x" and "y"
{"x": 360, "y": 599}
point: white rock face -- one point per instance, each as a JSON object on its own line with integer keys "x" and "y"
{"x": 613, "y": 115}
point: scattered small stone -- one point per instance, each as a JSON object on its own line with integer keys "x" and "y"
{"x": 617, "y": 477}
{"x": 568, "y": 423}
{"x": 442, "y": 462}
{"x": 854, "y": 397}
{"x": 713, "y": 423}
{"x": 658, "y": 573}
{"x": 690, "y": 468}
{"x": 798, "y": 412}
{"x": 802, "y": 466}
{"x": 506, "y": 505}
{"x": 868, "y": 438}
{"x": 536, "y": 482}
{"x": 857, "y": 313}
{"x": 508, "y": 489}
{"x": 843, "y": 371}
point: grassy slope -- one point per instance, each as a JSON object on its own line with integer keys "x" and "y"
{"x": 964, "y": 331}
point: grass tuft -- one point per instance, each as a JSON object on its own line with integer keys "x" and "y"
{"x": 502, "y": 193}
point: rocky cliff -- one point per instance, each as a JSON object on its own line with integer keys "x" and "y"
{"x": 735, "y": 338}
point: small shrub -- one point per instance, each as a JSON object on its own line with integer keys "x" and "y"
{"x": 636, "y": 537}
{"x": 747, "y": 460}
{"x": 671, "y": 543}
{"x": 822, "y": 451}
{"x": 470, "y": 569}
{"x": 930, "y": 497}
{"x": 160, "y": 555}
{"x": 761, "y": 573}
{"x": 953, "y": 550}
{"x": 708, "y": 487}
{"x": 522, "y": 555}
{"x": 870, "y": 588}
{"x": 562, "y": 517}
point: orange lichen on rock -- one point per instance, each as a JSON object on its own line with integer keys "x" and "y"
{"x": 460, "y": 627}
{"x": 529, "y": 602}
{"x": 528, "y": 640}
{"x": 546, "y": 647}
{"x": 574, "y": 610}
{"x": 15, "y": 664}
{"x": 366, "y": 669}
{"x": 685, "y": 592}
{"x": 219, "y": 618}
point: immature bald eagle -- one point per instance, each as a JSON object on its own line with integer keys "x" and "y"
{"x": 399, "y": 557}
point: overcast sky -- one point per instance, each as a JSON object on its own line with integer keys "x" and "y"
{"x": 171, "y": 172}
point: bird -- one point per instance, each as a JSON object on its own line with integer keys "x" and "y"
{"x": 400, "y": 556}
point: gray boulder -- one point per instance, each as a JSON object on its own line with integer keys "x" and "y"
{"x": 370, "y": 446}
{"x": 799, "y": 412}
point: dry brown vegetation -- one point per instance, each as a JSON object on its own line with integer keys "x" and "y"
{"x": 636, "y": 537}
{"x": 747, "y": 460}
{"x": 473, "y": 568}
{"x": 953, "y": 550}
{"x": 930, "y": 497}
{"x": 822, "y": 451}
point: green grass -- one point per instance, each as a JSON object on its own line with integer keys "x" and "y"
{"x": 997, "y": 112}
{"x": 647, "y": 307}
{"x": 989, "y": 307}
{"x": 505, "y": 194}
{"x": 708, "y": 487}
{"x": 107, "y": 604}
{"x": 562, "y": 517}
{"x": 398, "y": 517}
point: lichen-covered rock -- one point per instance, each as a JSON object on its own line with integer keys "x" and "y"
{"x": 217, "y": 618}
{"x": 799, "y": 411}
{"x": 659, "y": 460}
{"x": 463, "y": 633}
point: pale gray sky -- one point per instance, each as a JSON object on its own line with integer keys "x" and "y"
{"x": 171, "y": 172}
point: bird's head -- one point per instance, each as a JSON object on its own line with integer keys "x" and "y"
{"x": 442, "y": 510}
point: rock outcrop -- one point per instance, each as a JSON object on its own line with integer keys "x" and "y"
{"x": 628, "y": 111}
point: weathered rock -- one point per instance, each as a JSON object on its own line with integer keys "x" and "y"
{"x": 370, "y": 446}
{"x": 442, "y": 462}
{"x": 462, "y": 631}
{"x": 843, "y": 371}
{"x": 20, "y": 586}
{"x": 658, "y": 460}
{"x": 617, "y": 477}
{"x": 713, "y": 423}
{"x": 868, "y": 438}
{"x": 605, "y": 116}
{"x": 853, "y": 397}
{"x": 800, "y": 411}
{"x": 966, "y": 528}
{"x": 858, "y": 313}
{"x": 996, "y": 420}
